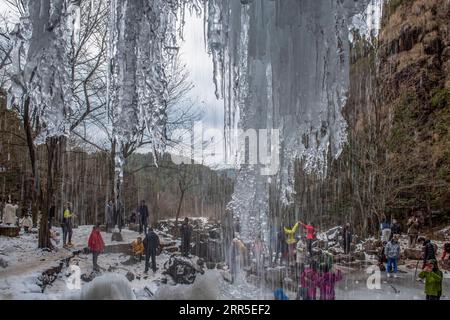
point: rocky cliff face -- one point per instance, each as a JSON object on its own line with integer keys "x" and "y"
{"x": 414, "y": 101}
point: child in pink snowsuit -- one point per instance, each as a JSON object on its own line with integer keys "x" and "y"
{"x": 308, "y": 282}
{"x": 327, "y": 282}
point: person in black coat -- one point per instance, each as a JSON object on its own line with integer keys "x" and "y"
{"x": 396, "y": 228}
{"x": 186, "y": 232}
{"x": 347, "y": 238}
{"x": 151, "y": 245}
{"x": 143, "y": 217}
{"x": 428, "y": 251}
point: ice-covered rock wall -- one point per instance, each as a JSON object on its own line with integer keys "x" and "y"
{"x": 281, "y": 64}
{"x": 42, "y": 52}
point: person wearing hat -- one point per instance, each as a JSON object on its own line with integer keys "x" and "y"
{"x": 433, "y": 280}
{"x": 392, "y": 252}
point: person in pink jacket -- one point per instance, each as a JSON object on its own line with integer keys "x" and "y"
{"x": 308, "y": 282}
{"x": 327, "y": 282}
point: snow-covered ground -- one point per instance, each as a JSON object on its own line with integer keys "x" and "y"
{"x": 26, "y": 263}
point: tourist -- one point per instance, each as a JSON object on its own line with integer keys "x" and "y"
{"x": 433, "y": 280}
{"x": 395, "y": 228}
{"x": 309, "y": 281}
{"x": 109, "y": 215}
{"x": 151, "y": 245}
{"x": 429, "y": 250}
{"x": 382, "y": 259}
{"x": 413, "y": 230}
{"x": 10, "y": 214}
{"x": 96, "y": 245}
{"x": 279, "y": 293}
{"x": 67, "y": 225}
{"x": 327, "y": 282}
{"x": 26, "y": 223}
{"x": 186, "y": 232}
{"x": 281, "y": 248}
{"x": 392, "y": 252}
{"x": 310, "y": 236}
{"x": 291, "y": 242}
{"x": 347, "y": 238}
{"x": 258, "y": 254}
{"x": 143, "y": 217}
{"x": 137, "y": 247}
{"x": 385, "y": 228}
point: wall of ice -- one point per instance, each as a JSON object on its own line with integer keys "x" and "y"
{"x": 281, "y": 64}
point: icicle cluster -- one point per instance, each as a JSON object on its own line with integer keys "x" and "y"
{"x": 42, "y": 53}
{"x": 282, "y": 64}
{"x": 143, "y": 39}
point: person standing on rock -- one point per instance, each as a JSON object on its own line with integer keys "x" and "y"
{"x": 143, "y": 217}
{"x": 96, "y": 245}
{"x": 347, "y": 238}
{"x": 385, "y": 228}
{"x": 10, "y": 214}
{"x": 310, "y": 236}
{"x": 151, "y": 245}
{"x": 413, "y": 230}
{"x": 186, "y": 233}
{"x": 392, "y": 252}
{"x": 109, "y": 215}
{"x": 396, "y": 228}
{"x": 67, "y": 225}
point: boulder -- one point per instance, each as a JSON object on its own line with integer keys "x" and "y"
{"x": 117, "y": 236}
{"x": 214, "y": 234}
{"x": 133, "y": 227}
{"x": 124, "y": 248}
{"x": 103, "y": 228}
{"x": 3, "y": 263}
{"x": 211, "y": 265}
{"x": 9, "y": 231}
{"x": 171, "y": 249}
{"x": 129, "y": 276}
{"x": 413, "y": 254}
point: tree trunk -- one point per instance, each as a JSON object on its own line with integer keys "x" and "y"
{"x": 52, "y": 166}
{"x": 179, "y": 206}
{"x": 35, "y": 193}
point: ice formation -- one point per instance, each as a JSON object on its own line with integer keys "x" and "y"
{"x": 42, "y": 53}
{"x": 281, "y": 64}
{"x": 143, "y": 39}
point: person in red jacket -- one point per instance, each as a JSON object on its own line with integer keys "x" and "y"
{"x": 310, "y": 235}
{"x": 327, "y": 282}
{"x": 96, "y": 245}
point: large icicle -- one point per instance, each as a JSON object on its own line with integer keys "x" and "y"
{"x": 42, "y": 53}
{"x": 293, "y": 76}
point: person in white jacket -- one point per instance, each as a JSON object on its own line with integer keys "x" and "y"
{"x": 9, "y": 215}
{"x": 26, "y": 223}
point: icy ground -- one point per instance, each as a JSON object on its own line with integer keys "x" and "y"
{"x": 26, "y": 263}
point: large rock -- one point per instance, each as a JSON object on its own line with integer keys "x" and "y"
{"x": 413, "y": 254}
{"x": 9, "y": 231}
{"x": 130, "y": 276}
{"x": 133, "y": 227}
{"x": 3, "y": 263}
{"x": 124, "y": 248}
{"x": 359, "y": 255}
{"x": 117, "y": 236}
